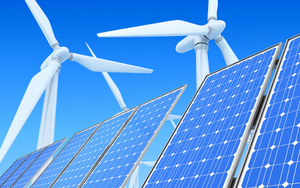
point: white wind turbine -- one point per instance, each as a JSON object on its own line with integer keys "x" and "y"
{"x": 197, "y": 38}
{"x": 47, "y": 79}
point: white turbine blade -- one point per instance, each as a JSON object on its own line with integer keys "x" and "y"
{"x": 227, "y": 52}
{"x": 185, "y": 44}
{"x": 33, "y": 93}
{"x": 148, "y": 163}
{"x": 111, "y": 85}
{"x": 42, "y": 20}
{"x": 171, "y": 117}
{"x": 133, "y": 177}
{"x": 102, "y": 65}
{"x": 212, "y": 10}
{"x": 115, "y": 90}
{"x": 46, "y": 62}
{"x": 170, "y": 28}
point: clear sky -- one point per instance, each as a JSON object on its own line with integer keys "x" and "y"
{"x": 84, "y": 98}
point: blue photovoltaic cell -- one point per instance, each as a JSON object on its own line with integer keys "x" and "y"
{"x": 201, "y": 151}
{"x": 37, "y": 164}
{"x": 63, "y": 158}
{"x": 11, "y": 169}
{"x": 129, "y": 147}
{"x": 9, "y": 182}
{"x": 91, "y": 152}
{"x": 275, "y": 157}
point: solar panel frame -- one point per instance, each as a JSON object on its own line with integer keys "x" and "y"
{"x": 239, "y": 152}
{"x": 260, "y": 121}
{"x": 98, "y": 124}
{"x": 45, "y": 163}
{"x": 108, "y": 146}
{"x": 150, "y": 141}
{"x": 24, "y": 158}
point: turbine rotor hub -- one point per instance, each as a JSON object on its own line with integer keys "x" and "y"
{"x": 60, "y": 54}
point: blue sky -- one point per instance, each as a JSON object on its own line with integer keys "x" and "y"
{"x": 84, "y": 98}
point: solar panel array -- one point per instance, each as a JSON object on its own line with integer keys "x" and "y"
{"x": 30, "y": 159}
{"x": 119, "y": 162}
{"x": 92, "y": 151}
{"x": 12, "y": 168}
{"x": 205, "y": 149}
{"x": 64, "y": 157}
{"x": 275, "y": 154}
{"x": 49, "y": 151}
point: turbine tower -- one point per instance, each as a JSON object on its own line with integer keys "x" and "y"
{"x": 134, "y": 180}
{"x": 197, "y": 38}
{"x": 47, "y": 79}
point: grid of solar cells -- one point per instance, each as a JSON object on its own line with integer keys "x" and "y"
{"x": 37, "y": 164}
{"x": 63, "y": 158}
{"x": 129, "y": 147}
{"x": 275, "y": 158}
{"x": 91, "y": 152}
{"x": 201, "y": 151}
{"x": 30, "y": 159}
{"x": 11, "y": 169}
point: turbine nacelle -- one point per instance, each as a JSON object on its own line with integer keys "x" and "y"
{"x": 61, "y": 54}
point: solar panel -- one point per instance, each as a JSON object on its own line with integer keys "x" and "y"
{"x": 40, "y": 161}
{"x": 64, "y": 157}
{"x": 22, "y": 168}
{"x": 275, "y": 153}
{"x": 92, "y": 151}
{"x": 12, "y": 168}
{"x": 206, "y": 146}
{"x": 120, "y": 161}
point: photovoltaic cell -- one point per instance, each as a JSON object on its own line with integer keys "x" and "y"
{"x": 92, "y": 151}
{"x": 12, "y": 168}
{"x": 64, "y": 157}
{"x": 119, "y": 162}
{"x": 30, "y": 159}
{"x": 206, "y": 146}
{"x": 275, "y": 153}
{"x": 25, "y": 178}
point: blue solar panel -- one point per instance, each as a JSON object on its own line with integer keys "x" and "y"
{"x": 12, "y": 168}
{"x": 275, "y": 155}
{"x": 116, "y": 167}
{"x": 25, "y": 178}
{"x": 64, "y": 157}
{"x": 30, "y": 159}
{"x": 93, "y": 150}
{"x": 206, "y": 146}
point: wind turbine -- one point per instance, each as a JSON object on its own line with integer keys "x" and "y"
{"x": 197, "y": 38}
{"x": 47, "y": 79}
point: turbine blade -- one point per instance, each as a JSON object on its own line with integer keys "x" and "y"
{"x": 111, "y": 85}
{"x": 170, "y": 28}
{"x": 33, "y": 93}
{"x": 171, "y": 117}
{"x": 102, "y": 65}
{"x": 148, "y": 163}
{"x": 115, "y": 90}
{"x": 42, "y": 20}
{"x": 227, "y": 52}
{"x": 185, "y": 44}
{"x": 212, "y": 10}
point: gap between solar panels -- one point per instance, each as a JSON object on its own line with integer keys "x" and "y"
{"x": 274, "y": 155}
{"x": 206, "y": 146}
{"x": 29, "y": 167}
